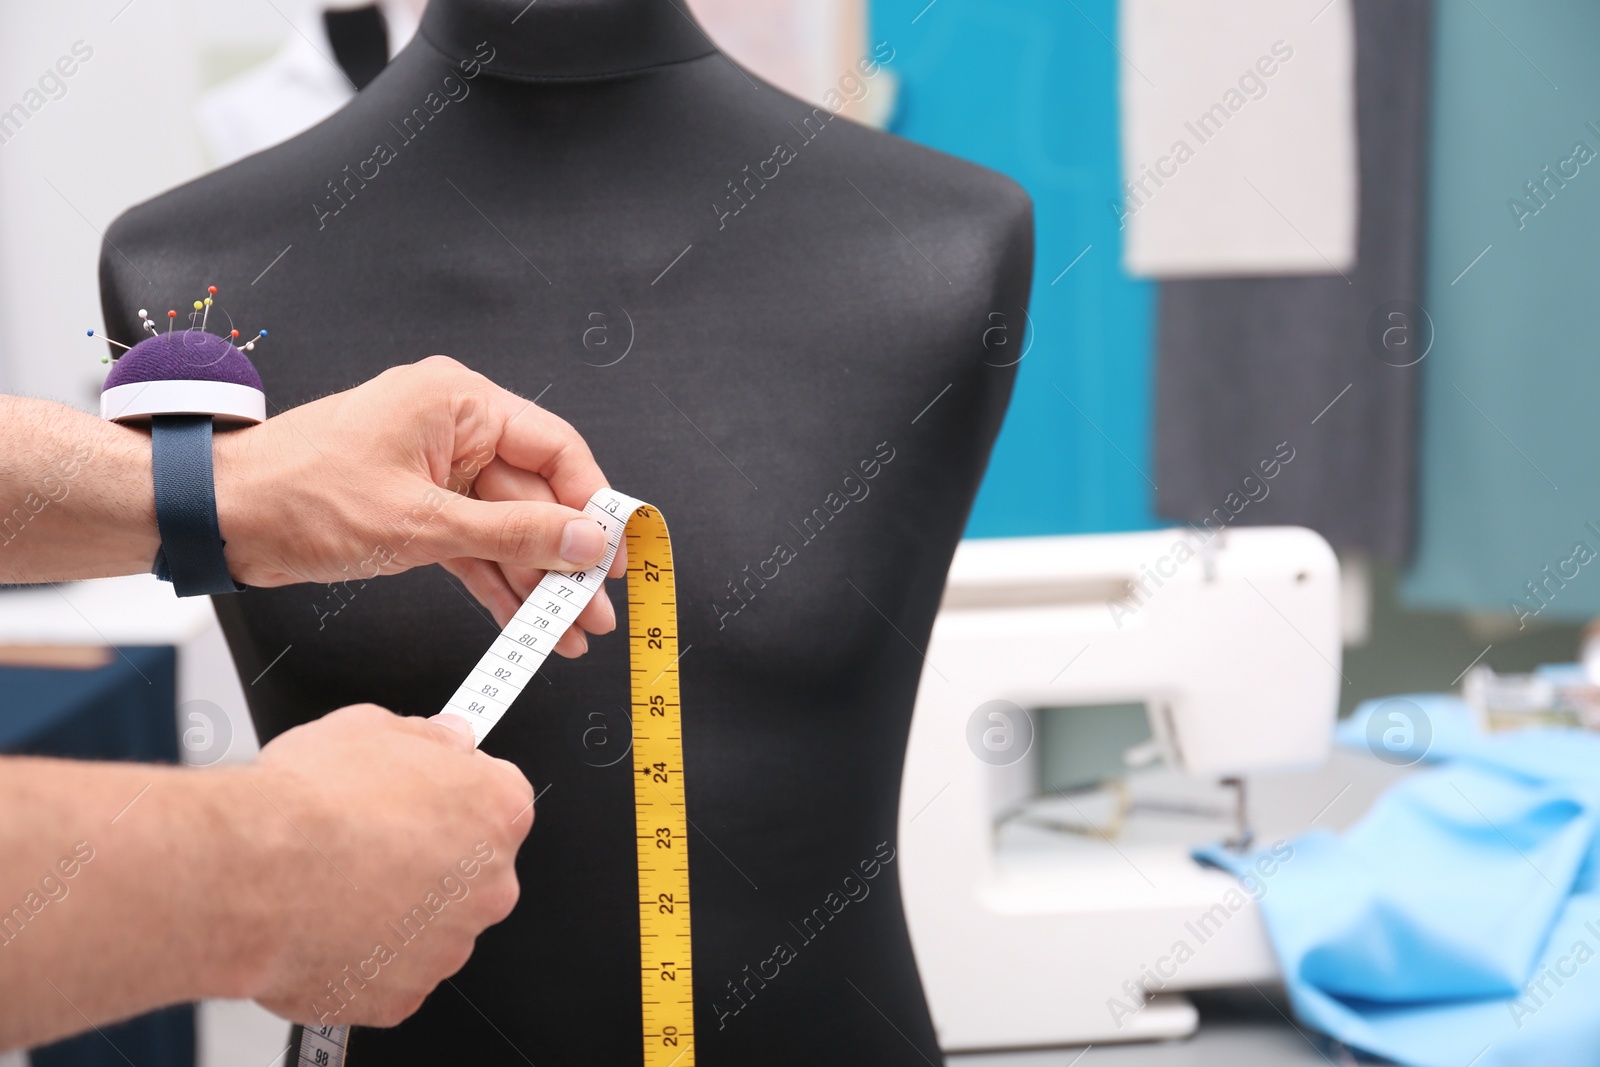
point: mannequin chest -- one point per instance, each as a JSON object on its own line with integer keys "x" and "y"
{"x": 806, "y": 393}
{"x": 781, "y": 423}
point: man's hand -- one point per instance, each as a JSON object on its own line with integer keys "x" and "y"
{"x": 408, "y": 853}
{"x": 426, "y": 463}
{"x": 363, "y": 850}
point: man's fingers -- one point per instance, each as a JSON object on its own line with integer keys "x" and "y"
{"x": 486, "y": 582}
{"x": 598, "y": 616}
{"x": 535, "y": 440}
{"x": 517, "y": 533}
{"x": 573, "y": 644}
{"x": 503, "y": 588}
{"x": 502, "y": 481}
{"x": 452, "y": 730}
{"x": 519, "y": 819}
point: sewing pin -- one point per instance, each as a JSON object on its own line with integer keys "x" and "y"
{"x": 211, "y": 291}
{"x": 119, "y": 344}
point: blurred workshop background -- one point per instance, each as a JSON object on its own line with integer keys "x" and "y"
{"x": 1444, "y": 500}
{"x": 1349, "y": 239}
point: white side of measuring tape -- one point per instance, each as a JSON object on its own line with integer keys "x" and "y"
{"x": 528, "y": 639}
{"x": 501, "y": 675}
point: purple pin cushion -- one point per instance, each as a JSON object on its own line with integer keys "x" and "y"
{"x": 185, "y": 372}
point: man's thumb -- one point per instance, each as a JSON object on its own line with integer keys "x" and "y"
{"x": 520, "y": 533}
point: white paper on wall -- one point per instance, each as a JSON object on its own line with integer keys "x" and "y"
{"x": 1238, "y": 137}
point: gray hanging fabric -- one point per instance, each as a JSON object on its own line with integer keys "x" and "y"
{"x": 1321, "y": 369}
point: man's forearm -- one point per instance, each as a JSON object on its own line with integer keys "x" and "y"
{"x": 76, "y": 495}
{"x": 129, "y": 887}
{"x": 428, "y": 463}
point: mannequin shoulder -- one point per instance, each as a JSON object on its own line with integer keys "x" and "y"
{"x": 218, "y": 222}
{"x": 937, "y": 178}
{"x": 950, "y": 199}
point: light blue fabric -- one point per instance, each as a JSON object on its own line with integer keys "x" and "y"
{"x": 1511, "y": 384}
{"x": 1459, "y": 921}
{"x": 1029, "y": 87}
{"x": 1450, "y": 723}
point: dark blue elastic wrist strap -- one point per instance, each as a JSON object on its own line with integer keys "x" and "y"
{"x": 186, "y": 507}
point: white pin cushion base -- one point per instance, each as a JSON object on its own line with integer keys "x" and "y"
{"x": 183, "y": 397}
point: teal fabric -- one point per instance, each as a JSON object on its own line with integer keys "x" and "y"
{"x": 1029, "y": 88}
{"x": 1509, "y": 478}
{"x": 1459, "y": 921}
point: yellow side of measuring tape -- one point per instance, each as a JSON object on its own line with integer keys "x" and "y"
{"x": 666, "y": 962}
{"x": 666, "y": 972}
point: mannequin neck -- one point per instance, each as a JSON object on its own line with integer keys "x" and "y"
{"x": 566, "y": 38}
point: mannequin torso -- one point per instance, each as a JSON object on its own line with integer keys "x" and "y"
{"x": 766, "y": 321}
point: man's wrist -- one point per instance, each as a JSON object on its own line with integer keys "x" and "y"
{"x": 121, "y": 467}
{"x": 254, "y": 852}
{"x": 243, "y": 497}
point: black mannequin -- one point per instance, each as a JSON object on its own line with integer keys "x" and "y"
{"x": 805, "y": 334}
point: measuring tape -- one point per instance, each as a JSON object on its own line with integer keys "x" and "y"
{"x": 661, "y": 825}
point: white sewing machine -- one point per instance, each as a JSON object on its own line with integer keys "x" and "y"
{"x": 1045, "y": 905}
